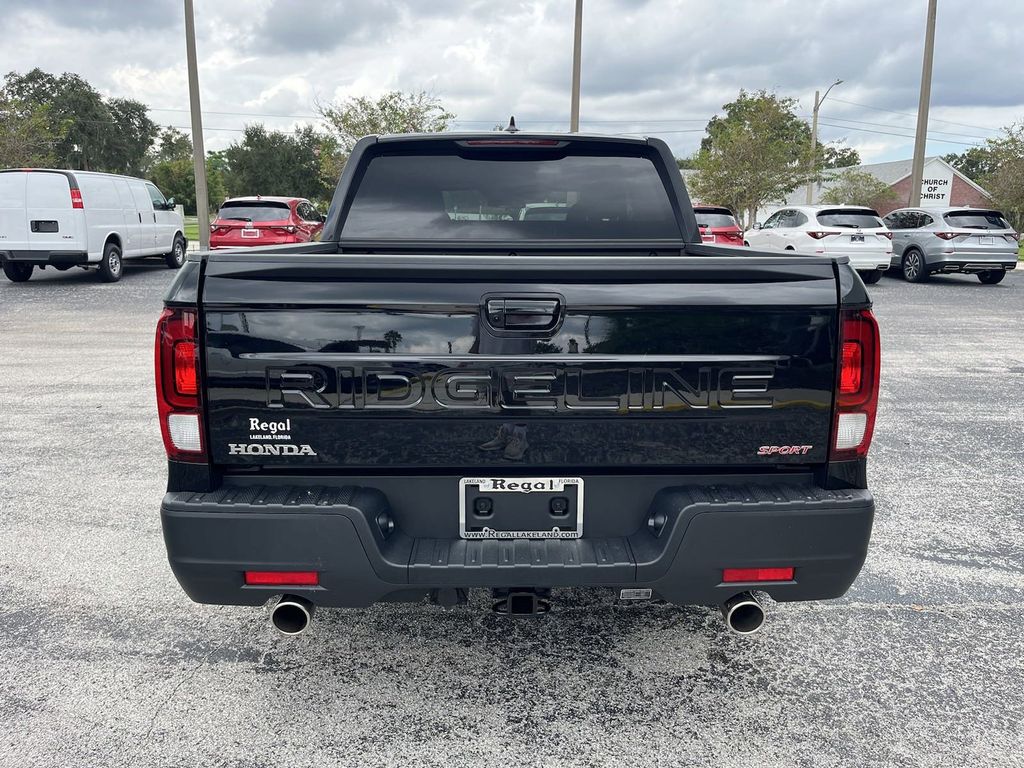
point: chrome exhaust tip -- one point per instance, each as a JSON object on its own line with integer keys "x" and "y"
{"x": 292, "y": 615}
{"x": 743, "y": 614}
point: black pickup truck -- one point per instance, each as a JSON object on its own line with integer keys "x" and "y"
{"x": 511, "y": 364}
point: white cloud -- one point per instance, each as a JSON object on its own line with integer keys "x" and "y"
{"x": 661, "y": 67}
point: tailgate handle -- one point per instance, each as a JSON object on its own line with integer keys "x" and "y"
{"x": 522, "y": 314}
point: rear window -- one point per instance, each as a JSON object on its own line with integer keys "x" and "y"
{"x": 510, "y": 195}
{"x": 976, "y": 220}
{"x": 12, "y": 190}
{"x": 256, "y": 212}
{"x": 48, "y": 190}
{"x": 715, "y": 219}
{"x": 866, "y": 219}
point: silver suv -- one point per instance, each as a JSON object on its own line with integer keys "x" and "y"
{"x": 972, "y": 240}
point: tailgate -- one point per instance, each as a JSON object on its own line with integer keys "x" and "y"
{"x": 381, "y": 362}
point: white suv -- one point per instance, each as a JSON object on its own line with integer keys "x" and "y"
{"x": 830, "y": 230}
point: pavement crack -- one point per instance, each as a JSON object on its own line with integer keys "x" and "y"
{"x": 167, "y": 700}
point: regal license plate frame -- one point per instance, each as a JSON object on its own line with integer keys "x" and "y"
{"x": 522, "y": 498}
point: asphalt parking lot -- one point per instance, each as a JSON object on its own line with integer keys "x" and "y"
{"x": 105, "y": 662}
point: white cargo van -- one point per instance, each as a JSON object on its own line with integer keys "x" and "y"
{"x": 67, "y": 219}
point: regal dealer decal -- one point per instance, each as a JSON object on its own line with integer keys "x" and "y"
{"x": 270, "y": 438}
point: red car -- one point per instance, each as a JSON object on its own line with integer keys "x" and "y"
{"x": 260, "y": 220}
{"x": 718, "y": 225}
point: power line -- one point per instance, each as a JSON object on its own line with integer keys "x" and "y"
{"x": 465, "y": 121}
{"x": 911, "y": 114}
{"x": 241, "y": 114}
{"x": 597, "y": 122}
{"x": 907, "y": 127}
{"x": 902, "y": 135}
{"x": 659, "y": 132}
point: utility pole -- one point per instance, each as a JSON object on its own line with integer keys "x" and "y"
{"x": 814, "y": 137}
{"x": 577, "y": 44}
{"x": 917, "y": 171}
{"x": 198, "y": 151}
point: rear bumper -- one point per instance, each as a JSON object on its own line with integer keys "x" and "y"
{"x": 212, "y": 538}
{"x": 251, "y": 242}
{"x": 47, "y": 258}
{"x": 969, "y": 262}
{"x": 864, "y": 258}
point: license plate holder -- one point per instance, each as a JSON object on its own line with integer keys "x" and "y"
{"x": 250, "y": 232}
{"x": 856, "y": 238}
{"x": 983, "y": 240}
{"x": 505, "y": 508}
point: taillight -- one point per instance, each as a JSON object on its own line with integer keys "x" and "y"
{"x": 512, "y": 143}
{"x": 185, "y": 368}
{"x": 857, "y": 398}
{"x": 947, "y": 235}
{"x": 819, "y": 235}
{"x": 76, "y": 199}
{"x": 851, "y": 367}
{"x": 1015, "y": 236}
{"x": 177, "y": 384}
{"x": 887, "y": 234}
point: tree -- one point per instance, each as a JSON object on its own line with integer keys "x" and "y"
{"x": 775, "y": 115}
{"x": 172, "y": 168}
{"x": 975, "y": 163}
{"x": 76, "y": 113}
{"x": 177, "y": 179}
{"x": 276, "y": 163}
{"x": 831, "y": 156}
{"x": 86, "y": 132}
{"x": 1004, "y": 181}
{"x": 26, "y": 140}
{"x": 687, "y": 163}
{"x": 859, "y": 188}
{"x": 172, "y": 144}
{"x": 131, "y": 137}
{"x": 394, "y": 112}
{"x": 754, "y": 154}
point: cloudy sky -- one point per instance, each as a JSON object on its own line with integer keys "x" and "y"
{"x": 657, "y": 67}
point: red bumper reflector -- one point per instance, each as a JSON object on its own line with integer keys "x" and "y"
{"x": 283, "y": 578}
{"x": 757, "y": 574}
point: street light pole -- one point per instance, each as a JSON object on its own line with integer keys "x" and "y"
{"x": 577, "y": 44}
{"x": 814, "y": 137}
{"x": 917, "y": 170}
{"x": 198, "y": 151}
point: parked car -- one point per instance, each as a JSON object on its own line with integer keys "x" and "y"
{"x": 244, "y": 221}
{"x": 970, "y": 240}
{"x": 718, "y": 419}
{"x": 831, "y": 230}
{"x": 718, "y": 225}
{"x": 64, "y": 219}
